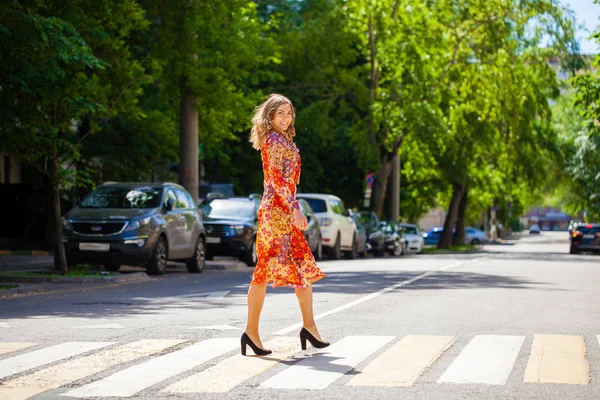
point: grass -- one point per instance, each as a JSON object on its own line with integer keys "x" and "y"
{"x": 5, "y": 287}
{"x": 453, "y": 249}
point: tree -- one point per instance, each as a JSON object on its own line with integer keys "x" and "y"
{"x": 53, "y": 79}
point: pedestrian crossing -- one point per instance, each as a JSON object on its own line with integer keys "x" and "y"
{"x": 179, "y": 366}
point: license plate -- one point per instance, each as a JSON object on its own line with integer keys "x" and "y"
{"x": 213, "y": 240}
{"x": 94, "y": 246}
{"x": 590, "y": 236}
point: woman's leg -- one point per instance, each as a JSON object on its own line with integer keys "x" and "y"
{"x": 305, "y": 299}
{"x": 256, "y": 299}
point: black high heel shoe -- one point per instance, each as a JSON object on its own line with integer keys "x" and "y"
{"x": 245, "y": 340}
{"x": 306, "y": 335}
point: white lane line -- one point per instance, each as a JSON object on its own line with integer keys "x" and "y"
{"x": 132, "y": 380}
{"x": 34, "y": 359}
{"x": 103, "y": 326}
{"x": 52, "y": 377}
{"x": 4, "y": 325}
{"x": 487, "y": 359}
{"x": 320, "y": 370}
{"x": 371, "y": 296}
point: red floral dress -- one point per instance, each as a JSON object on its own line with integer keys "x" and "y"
{"x": 284, "y": 256}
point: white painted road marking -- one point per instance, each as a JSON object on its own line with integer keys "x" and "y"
{"x": 320, "y": 370}
{"x": 235, "y": 370}
{"x": 216, "y": 327}
{"x": 17, "y": 364}
{"x": 368, "y": 297}
{"x": 403, "y": 363}
{"x": 4, "y": 325}
{"x": 64, "y": 373}
{"x": 139, "y": 377}
{"x": 487, "y": 359}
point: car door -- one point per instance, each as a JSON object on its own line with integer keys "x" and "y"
{"x": 346, "y": 224}
{"x": 173, "y": 224}
{"x": 188, "y": 221}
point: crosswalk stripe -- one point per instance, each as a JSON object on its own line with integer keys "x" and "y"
{"x": 487, "y": 359}
{"x": 557, "y": 359}
{"x": 11, "y": 347}
{"x": 233, "y": 371}
{"x": 69, "y": 371}
{"x": 403, "y": 363}
{"x": 322, "y": 369}
{"x": 139, "y": 377}
{"x": 34, "y": 359}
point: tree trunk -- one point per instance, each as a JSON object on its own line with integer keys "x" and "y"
{"x": 395, "y": 203}
{"x": 446, "y": 236}
{"x": 188, "y": 142}
{"x": 381, "y": 186}
{"x": 60, "y": 259}
{"x": 459, "y": 236}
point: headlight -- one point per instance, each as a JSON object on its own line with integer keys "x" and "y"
{"x": 373, "y": 235}
{"x": 66, "y": 224}
{"x": 138, "y": 223}
{"x": 325, "y": 221}
{"x": 235, "y": 230}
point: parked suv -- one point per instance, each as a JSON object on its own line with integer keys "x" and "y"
{"x": 231, "y": 225}
{"x": 338, "y": 229}
{"x": 143, "y": 224}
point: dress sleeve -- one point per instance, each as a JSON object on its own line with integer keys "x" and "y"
{"x": 282, "y": 161}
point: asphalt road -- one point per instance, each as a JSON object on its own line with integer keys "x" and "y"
{"x": 519, "y": 320}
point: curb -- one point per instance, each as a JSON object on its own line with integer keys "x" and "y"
{"x": 21, "y": 290}
{"x": 238, "y": 266}
{"x": 132, "y": 277}
{"x": 25, "y": 253}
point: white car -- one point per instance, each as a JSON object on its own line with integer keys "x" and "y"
{"x": 338, "y": 229}
{"x": 414, "y": 239}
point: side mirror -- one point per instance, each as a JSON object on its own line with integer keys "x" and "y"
{"x": 169, "y": 204}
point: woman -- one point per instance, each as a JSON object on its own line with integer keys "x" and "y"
{"x": 284, "y": 257}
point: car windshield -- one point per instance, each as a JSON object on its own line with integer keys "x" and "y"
{"x": 317, "y": 205}
{"x": 228, "y": 209}
{"x": 123, "y": 197}
{"x": 410, "y": 229}
{"x": 364, "y": 219}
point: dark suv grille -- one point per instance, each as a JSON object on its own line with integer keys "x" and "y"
{"x": 215, "y": 230}
{"x": 98, "y": 228}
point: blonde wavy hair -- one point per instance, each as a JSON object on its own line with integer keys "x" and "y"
{"x": 262, "y": 122}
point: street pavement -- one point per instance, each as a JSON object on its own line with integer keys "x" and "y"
{"x": 518, "y": 320}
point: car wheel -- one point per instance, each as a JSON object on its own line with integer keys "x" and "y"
{"x": 158, "y": 261}
{"x": 353, "y": 253}
{"x": 250, "y": 257}
{"x": 196, "y": 263}
{"x": 319, "y": 252}
{"x": 112, "y": 267}
{"x": 335, "y": 252}
{"x": 475, "y": 241}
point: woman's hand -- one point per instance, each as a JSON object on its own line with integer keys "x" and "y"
{"x": 300, "y": 220}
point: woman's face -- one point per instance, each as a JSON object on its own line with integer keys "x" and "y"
{"x": 283, "y": 118}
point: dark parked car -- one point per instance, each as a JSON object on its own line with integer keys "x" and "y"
{"x": 224, "y": 189}
{"x": 143, "y": 224}
{"x": 585, "y": 237}
{"x": 313, "y": 231}
{"x": 231, "y": 225}
{"x": 374, "y": 233}
{"x": 395, "y": 241}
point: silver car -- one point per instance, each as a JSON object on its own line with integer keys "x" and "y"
{"x": 143, "y": 224}
{"x": 414, "y": 239}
